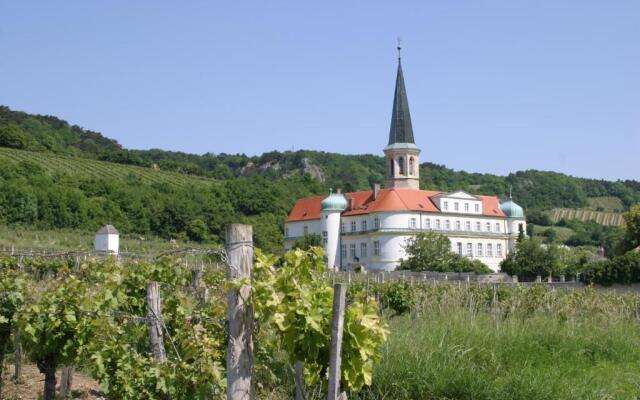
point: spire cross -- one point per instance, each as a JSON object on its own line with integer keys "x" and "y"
{"x": 399, "y": 47}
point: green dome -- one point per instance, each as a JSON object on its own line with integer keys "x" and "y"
{"x": 511, "y": 209}
{"x": 334, "y": 202}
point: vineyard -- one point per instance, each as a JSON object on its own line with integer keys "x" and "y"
{"x": 166, "y": 326}
{"x": 89, "y": 168}
{"x": 604, "y": 218}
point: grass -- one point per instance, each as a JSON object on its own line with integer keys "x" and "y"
{"x": 583, "y": 214}
{"x": 606, "y": 203}
{"x": 24, "y": 239}
{"x": 562, "y": 233}
{"x": 456, "y": 356}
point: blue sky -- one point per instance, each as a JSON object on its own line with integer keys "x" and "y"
{"x": 493, "y": 86}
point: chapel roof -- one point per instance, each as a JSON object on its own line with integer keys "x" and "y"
{"x": 388, "y": 200}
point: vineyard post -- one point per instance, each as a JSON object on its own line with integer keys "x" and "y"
{"x": 337, "y": 327}
{"x": 17, "y": 358}
{"x": 66, "y": 381}
{"x": 154, "y": 314}
{"x": 239, "y": 253}
{"x": 299, "y": 378}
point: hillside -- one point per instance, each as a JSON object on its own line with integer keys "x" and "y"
{"x": 58, "y": 175}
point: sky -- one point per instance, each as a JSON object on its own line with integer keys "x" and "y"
{"x": 493, "y": 86}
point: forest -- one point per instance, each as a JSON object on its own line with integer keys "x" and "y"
{"x": 254, "y": 189}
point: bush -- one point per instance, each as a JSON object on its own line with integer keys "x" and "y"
{"x": 623, "y": 269}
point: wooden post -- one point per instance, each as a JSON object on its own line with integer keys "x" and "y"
{"x": 239, "y": 249}
{"x": 299, "y": 378}
{"x": 337, "y": 327}
{"x": 66, "y": 381}
{"x": 154, "y": 315}
{"x": 17, "y": 358}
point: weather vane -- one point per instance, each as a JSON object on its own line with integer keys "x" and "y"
{"x": 399, "y": 47}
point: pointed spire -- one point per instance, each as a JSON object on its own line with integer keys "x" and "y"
{"x": 401, "y": 130}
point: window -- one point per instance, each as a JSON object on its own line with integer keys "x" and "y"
{"x": 469, "y": 250}
{"x": 392, "y": 171}
{"x": 305, "y": 229}
{"x": 478, "y": 226}
{"x": 488, "y": 226}
{"x": 376, "y": 248}
{"x": 489, "y": 250}
{"x": 353, "y": 226}
{"x": 499, "y": 249}
{"x": 411, "y": 166}
{"x": 445, "y": 206}
{"x": 286, "y": 232}
{"x": 477, "y": 207}
{"x": 352, "y": 250}
{"x": 427, "y": 223}
{"x": 498, "y": 227}
{"x": 343, "y": 251}
{"x": 376, "y": 223}
{"x": 325, "y": 238}
{"x": 456, "y": 206}
{"x": 467, "y": 225}
{"x": 401, "y": 165}
{"x": 342, "y": 227}
{"x": 437, "y": 224}
{"x": 363, "y": 225}
{"x": 363, "y": 250}
{"x": 412, "y": 223}
{"x": 447, "y": 225}
{"x": 466, "y": 207}
{"x": 459, "y": 248}
{"x": 458, "y": 226}
{"x": 479, "y": 250}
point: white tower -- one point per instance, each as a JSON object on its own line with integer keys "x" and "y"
{"x": 330, "y": 211}
{"x": 516, "y": 221}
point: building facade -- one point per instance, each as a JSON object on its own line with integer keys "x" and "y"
{"x": 371, "y": 228}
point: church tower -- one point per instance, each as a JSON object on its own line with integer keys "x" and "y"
{"x": 402, "y": 153}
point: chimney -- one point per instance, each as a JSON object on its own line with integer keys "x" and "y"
{"x": 350, "y": 200}
{"x": 376, "y": 190}
{"x": 339, "y": 191}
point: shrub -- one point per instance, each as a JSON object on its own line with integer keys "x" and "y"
{"x": 623, "y": 269}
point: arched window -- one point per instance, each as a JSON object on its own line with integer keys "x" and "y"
{"x": 401, "y": 165}
{"x": 391, "y": 167}
{"x": 411, "y": 166}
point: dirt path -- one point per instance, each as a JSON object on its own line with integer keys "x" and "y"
{"x": 31, "y": 385}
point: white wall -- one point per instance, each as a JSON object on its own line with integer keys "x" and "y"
{"x": 107, "y": 243}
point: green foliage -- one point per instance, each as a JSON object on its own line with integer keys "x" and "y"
{"x": 530, "y": 259}
{"x": 624, "y": 269}
{"x": 397, "y": 296}
{"x": 296, "y": 300}
{"x": 13, "y": 137}
{"x": 431, "y": 251}
{"x": 631, "y": 236}
{"x": 306, "y": 242}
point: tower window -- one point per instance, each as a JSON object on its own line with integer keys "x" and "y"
{"x": 411, "y": 166}
{"x": 325, "y": 237}
{"x": 401, "y": 166}
{"x": 392, "y": 168}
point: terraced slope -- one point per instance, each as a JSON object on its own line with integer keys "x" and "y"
{"x": 87, "y": 168}
{"x": 604, "y": 218}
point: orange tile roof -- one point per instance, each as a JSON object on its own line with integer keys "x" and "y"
{"x": 388, "y": 200}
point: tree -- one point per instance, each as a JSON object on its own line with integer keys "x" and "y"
{"x": 631, "y": 236}
{"x": 307, "y": 241}
{"x": 431, "y": 251}
{"x": 529, "y": 259}
{"x": 197, "y": 230}
{"x": 12, "y": 136}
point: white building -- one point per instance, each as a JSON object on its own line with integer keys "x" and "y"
{"x": 107, "y": 240}
{"x": 372, "y": 227}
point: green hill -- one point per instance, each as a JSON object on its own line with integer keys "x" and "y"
{"x": 57, "y": 175}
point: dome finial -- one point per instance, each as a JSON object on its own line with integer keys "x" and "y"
{"x": 399, "y": 48}
{"x": 510, "y": 188}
